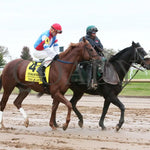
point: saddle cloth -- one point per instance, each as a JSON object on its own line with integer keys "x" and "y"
{"x": 32, "y": 75}
{"x": 110, "y": 75}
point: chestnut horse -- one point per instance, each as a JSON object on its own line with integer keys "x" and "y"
{"x": 13, "y": 76}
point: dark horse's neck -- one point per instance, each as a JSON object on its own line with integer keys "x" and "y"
{"x": 122, "y": 61}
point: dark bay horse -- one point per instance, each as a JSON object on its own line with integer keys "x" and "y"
{"x": 13, "y": 75}
{"x": 121, "y": 63}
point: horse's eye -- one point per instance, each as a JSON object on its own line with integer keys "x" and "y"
{"x": 91, "y": 49}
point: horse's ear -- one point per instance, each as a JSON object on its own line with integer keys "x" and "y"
{"x": 133, "y": 43}
{"x": 84, "y": 40}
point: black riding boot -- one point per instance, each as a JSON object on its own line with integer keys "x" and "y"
{"x": 89, "y": 76}
{"x": 41, "y": 72}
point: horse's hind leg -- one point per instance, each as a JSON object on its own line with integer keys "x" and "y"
{"x": 23, "y": 92}
{"x": 76, "y": 97}
{"x": 3, "y": 102}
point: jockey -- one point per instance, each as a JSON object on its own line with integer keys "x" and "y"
{"x": 97, "y": 45}
{"x": 46, "y": 47}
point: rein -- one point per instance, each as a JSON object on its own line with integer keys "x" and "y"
{"x": 66, "y": 62}
{"x": 132, "y": 76}
{"x": 130, "y": 79}
{"x": 134, "y": 67}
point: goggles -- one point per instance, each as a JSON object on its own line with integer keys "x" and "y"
{"x": 58, "y": 31}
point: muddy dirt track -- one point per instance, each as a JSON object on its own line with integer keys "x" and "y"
{"x": 134, "y": 135}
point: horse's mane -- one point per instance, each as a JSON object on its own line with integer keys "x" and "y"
{"x": 117, "y": 56}
{"x": 71, "y": 46}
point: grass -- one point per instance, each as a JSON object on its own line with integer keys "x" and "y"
{"x": 136, "y": 89}
{"x": 141, "y": 75}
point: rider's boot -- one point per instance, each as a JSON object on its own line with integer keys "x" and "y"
{"x": 41, "y": 71}
{"x": 94, "y": 72}
{"x": 89, "y": 76}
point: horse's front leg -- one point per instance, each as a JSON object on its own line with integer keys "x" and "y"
{"x": 76, "y": 97}
{"x": 52, "y": 122}
{"x": 60, "y": 98}
{"x": 119, "y": 104}
{"x": 104, "y": 112}
{"x": 65, "y": 125}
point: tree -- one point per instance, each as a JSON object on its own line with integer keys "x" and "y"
{"x": 109, "y": 52}
{"x": 3, "y": 53}
{"x": 25, "y": 54}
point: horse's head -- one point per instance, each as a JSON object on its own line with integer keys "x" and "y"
{"x": 140, "y": 56}
{"x": 88, "y": 52}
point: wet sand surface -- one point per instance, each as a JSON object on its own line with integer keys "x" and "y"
{"x": 134, "y": 134}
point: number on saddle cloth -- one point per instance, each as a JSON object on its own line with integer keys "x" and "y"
{"x": 31, "y": 73}
{"x": 33, "y": 66}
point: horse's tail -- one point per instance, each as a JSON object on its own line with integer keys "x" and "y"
{"x": 1, "y": 82}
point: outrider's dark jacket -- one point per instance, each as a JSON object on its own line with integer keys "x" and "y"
{"x": 94, "y": 42}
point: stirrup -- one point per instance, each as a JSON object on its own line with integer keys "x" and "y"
{"x": 45, "y": 84}
{"x": 40, "y": 71}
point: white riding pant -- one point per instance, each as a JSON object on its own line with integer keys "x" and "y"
{"x": 47, "y": 54}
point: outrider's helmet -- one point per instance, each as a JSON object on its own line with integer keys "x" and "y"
{"x": 91, "y": 29}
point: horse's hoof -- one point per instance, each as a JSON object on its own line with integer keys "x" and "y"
{"x": 54, "y": 128}
{"x": 104, "y": 128}
{"x": 117, "y": 127}
{"x": 56, "y": 125}
{"x": 65, "y": 126}
{"x": 80, "y": 123}
{"x": 26, "y": 122}
{"x": 2, "y": 126}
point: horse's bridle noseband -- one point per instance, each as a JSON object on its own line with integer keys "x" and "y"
{"x": 139, "y": 55}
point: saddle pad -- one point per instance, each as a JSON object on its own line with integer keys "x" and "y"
{"x": 32, "y": 75}
{"x": 110, "y": 75}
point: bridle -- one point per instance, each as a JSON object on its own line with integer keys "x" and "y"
{"x": 85, "y": 49}
{"x": 90, "y": 52}
{"x": 136, "y": 56}
{"x": 138, "y": 68}
{"x": 139, "y": 55}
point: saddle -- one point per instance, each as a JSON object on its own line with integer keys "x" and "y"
{"x": 107, "y": 73}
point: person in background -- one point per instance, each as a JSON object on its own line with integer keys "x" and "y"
{"x": 97, "y": 45}
{"x": 46, "y": 48}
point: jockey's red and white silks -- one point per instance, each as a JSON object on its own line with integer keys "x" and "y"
{"x": 46, "y": 40}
